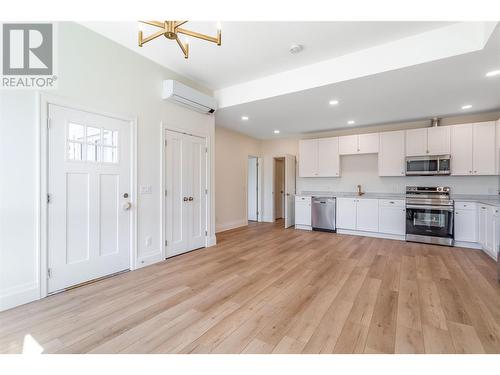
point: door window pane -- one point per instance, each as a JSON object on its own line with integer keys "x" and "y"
{"x": 74, "y": 151}
{"x": 92, "y": 153}
{"x": 110, "y": 137}
{"x": 75, "y": 132}
{"x": 93, "y": 135}
{"x": 109, "y": 154}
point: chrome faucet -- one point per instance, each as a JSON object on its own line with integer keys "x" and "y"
{"x": 360, "y": 193}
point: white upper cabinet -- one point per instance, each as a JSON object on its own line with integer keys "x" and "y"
{"x": 348, "y": 145}
{"x": 438, "y": 140}
{"x": 484, "y": 148}
{"x": 308, "y": 158}
{"x": 428, "y": 141}
{"x": 391, "y": 155}
{"x": 319, "y": 157}
{"x": 416, "y": 142}
{"x": 461, "y": 150}
{"x": 328, "y": 157}
{"x": 473, "y": 149}
{"x": 359, "y": 144}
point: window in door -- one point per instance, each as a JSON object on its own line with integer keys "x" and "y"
{"x": 91, "y": 144}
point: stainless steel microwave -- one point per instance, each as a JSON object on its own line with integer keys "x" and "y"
{"x": 428, "y": 165}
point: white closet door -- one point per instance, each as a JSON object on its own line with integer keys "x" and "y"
{"x": 89, "y": 188}
{"x": 186, "y": 199}
{"x": 197, "y": 194}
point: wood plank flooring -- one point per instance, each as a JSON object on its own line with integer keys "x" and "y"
{"x": 264, "y": 289}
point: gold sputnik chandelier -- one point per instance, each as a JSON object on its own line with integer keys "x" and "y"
{"x": 171, "y": 30}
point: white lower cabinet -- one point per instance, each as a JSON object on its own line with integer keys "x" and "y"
{"x": 392, "y": 217}
{"x": 367, "y": 215}
{"x": 488, "y": 229}
{"x": 357, "y": 214}
{"x": 302, "y": 212}
{"x": 466, "y": 222}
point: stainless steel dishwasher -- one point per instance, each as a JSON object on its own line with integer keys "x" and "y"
{"x": 323, "y": 214}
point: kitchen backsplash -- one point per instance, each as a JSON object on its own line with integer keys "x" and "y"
{"x": 363, "y": 170}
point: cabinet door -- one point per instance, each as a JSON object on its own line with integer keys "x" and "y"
{"x": 416, "y": 142}
{"x": 392, "y": 220}
{"x": 461, "y": 150}
{"x": 484, "y": 152}
{"x": 303, "y": 212}
{"x": 367, "y": 215}
{"x": 308, "y": 158}
{"x": 328, "y": 157}
{"x": 346, "y": 213}
{"x": 496, "y": 233}
{"x": 391, "y": 154}
{"x": 466, "y": 225}
{"x": 438, "y": 140}
{"x": 348, "y": 145}
{"x": 368, "y": 143}
{"x": 482, "y": 217}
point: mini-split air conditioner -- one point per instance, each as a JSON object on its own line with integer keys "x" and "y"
{"x": 186, "y": 96}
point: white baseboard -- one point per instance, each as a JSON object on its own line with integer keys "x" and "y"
{"x": 148, "y": 259}
{"x": 371, "y": 234}
{"x": 230, "y": 225}
{"x": 19, "y": 296}
{"x": 212, "y": 241}
{"x": 303, "y": 227}
{"x": 468, "y": 245}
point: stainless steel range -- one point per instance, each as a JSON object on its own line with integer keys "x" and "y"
{"x": 429, "y": 215}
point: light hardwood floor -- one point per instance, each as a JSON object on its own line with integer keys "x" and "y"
{"x": 264, "y": 289}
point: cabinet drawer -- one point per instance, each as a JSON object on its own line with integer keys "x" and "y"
{"x": 465, "y": 205}
{"x": 299, "y": 198}
{"x": 391, "y": 203}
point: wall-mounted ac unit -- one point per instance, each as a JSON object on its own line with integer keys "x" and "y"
{"x": 186, "y": 96}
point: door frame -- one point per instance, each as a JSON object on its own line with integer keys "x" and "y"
{"x": 273, "y": 175}
{"x": 42, "y": 149}
{"x": 209, "y": 241}
{"x": 259, "y": 188}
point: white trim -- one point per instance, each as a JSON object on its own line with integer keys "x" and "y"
{"x": 42, "y": 168}
{"x": 231, "y": 225}
{"x": 468, "y": 245}
{"x": 19, "y": 295}
{"x": 371, "y": 234}
{"x": 303, "y": 227}
{"x": 210, "y": 239}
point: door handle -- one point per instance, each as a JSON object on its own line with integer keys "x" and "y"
{"x": 190, "y": 199}
{"x": 126, "y": 206}
{"x": 185, "y": 199}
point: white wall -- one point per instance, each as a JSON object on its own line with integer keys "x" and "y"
{"x": 232, "y": 150}
{"x": 252, "y": 188}
{"x": 102, "y": 75}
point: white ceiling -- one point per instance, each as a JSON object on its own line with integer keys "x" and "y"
{"x": 251, "y": 50}
{"x": 437, "y": 88}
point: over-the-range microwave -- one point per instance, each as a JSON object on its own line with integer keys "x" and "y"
{"x": 428, "y": 165}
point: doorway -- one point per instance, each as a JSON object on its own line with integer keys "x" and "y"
{"x": 284, "y": 189}
{"x": 253, "y": 189}
{"x": 185, "y": 192}
{"x": 89, "y": 196}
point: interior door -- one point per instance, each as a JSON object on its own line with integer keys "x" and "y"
{"x": 186, "y": 194}
{"x": 89, "y": 197}
{"x": 289, "y": 190}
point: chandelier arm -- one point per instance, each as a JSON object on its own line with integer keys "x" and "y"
{"x": 184, "y": 48}
{"x": 154, "y": 23}
{"x": 153, "y": 36}
{"x": 179, "y": 23}
{"x": 198, "y": 35}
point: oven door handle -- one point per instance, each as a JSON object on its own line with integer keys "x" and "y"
{"x": 438, "y": 208}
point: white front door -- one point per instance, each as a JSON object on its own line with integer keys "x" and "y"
{"x": 186, "y": 194}
{"x": 289, "y": 190}
{"x": 89, "y": 196}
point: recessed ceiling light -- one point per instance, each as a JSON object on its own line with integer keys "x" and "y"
{"x": 467, "y": 106}
{"x": 296, "y": 48}
{"x": 493, "y": 73}
{"x": 244, "y": 118}
{"x": 333, "y": 102}
{"x": 276, "y": 131}
{"x": 351, "y": 122}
